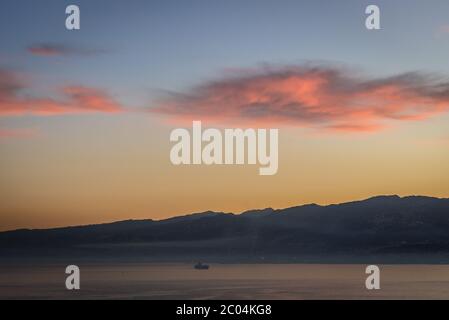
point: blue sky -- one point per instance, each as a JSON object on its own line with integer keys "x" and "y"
{"x": 148, "y": 46}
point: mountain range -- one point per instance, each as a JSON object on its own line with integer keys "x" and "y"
{"x": 392, "y": 229}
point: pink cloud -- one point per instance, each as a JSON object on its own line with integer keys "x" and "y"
{"x": 56, "y": 49}
{"x": 320, "y": 97}
{"x": 17, "y": 133}
{"x": 442, "y": 31}
{"x": 47, "y": 50}
{"x": 77, "y": 99}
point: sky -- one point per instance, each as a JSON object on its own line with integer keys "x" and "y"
{"x": 86, "y": 115}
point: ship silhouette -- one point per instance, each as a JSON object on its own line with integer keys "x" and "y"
{"x": 201, "y": 266}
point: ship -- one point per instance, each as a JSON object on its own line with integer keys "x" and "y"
{"x": 201, "y": 266}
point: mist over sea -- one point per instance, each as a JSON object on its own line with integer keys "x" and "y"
{"x": 224, "y": 281}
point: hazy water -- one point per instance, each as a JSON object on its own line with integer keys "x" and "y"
{"x": 226, "y": 281}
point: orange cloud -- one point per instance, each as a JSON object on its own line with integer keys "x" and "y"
{"x": 321, "y": 97}
{"x": 77, "y": 99}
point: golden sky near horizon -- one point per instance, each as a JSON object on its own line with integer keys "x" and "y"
{"x": 110, "y": 173}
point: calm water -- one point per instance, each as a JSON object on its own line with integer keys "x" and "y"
{"x": 233, "y": 281}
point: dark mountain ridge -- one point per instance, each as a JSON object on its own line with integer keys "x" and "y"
{"x": 383, "y": 226}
